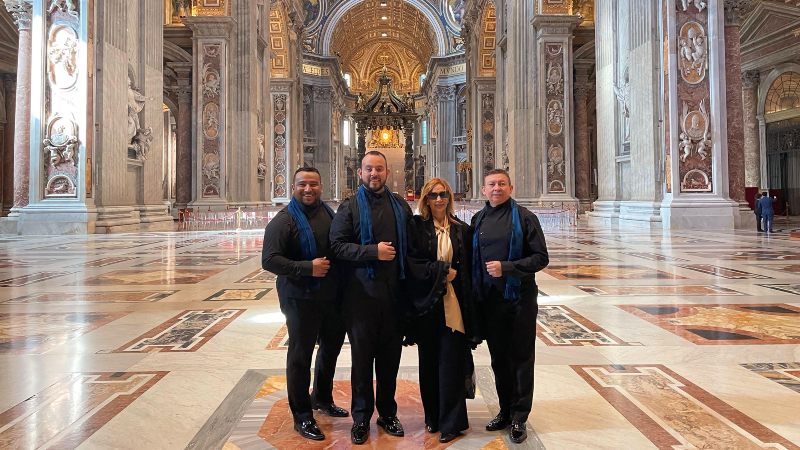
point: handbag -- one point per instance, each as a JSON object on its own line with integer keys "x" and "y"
{"x": 469, "y": 375}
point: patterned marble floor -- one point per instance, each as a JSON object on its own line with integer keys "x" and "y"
{"x": 175, "y": 340}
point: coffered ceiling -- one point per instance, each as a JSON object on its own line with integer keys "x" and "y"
{"x": 396, "y": 35}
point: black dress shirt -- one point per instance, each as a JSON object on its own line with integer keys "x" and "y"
{"x": 345, "y": 238}
{"x": 494, "y": 237}
{"x": 283, "y": 256}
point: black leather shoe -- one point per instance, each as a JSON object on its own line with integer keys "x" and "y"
{"x": 391, "y": 425}
{"x": 331, "y": 409}
{"x": 447, "y": 437}
{"x": 500, "y": 422}
{"x": 518, "y": 432}
{"x": 431, "y": 428}
{"x": 309, "y": 430}
{"x": 359, "y": 433}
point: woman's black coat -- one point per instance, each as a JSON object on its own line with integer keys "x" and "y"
{"x": 428, "y": 278}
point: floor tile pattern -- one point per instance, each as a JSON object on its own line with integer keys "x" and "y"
{"x": 164, "y": 340}
{"x": 72, "y": 409}
{"x": 186, "y": 332}
{"x": 726, "y": 324}
{"x": 785, "y": 374}
{"x": 674, "y": 412}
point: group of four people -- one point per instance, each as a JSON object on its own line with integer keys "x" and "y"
{"x": 381, "y": 274}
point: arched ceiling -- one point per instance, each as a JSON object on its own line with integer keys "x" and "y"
{"x": 364, "y": 42}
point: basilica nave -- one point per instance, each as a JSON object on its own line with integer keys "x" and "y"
{"x": 144, "y": 146}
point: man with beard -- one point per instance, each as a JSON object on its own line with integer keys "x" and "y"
{"x": 508, "y": 249}
{"x": 369, "y": 232}
{"x": 296, "y": 249}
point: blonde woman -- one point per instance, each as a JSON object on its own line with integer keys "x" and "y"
{"x": 439, "y": 261}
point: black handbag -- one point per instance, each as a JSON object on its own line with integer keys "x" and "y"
{"x": 469, "y": 375}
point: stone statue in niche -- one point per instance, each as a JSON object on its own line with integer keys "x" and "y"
{"x": 139, "y": 138}
{"x": 693, "y": 52}
{"x": 695, "y": 135}
{"x": 622, "y": 90}
{"x": 261, "y": 170}
{"x": 62, "y": 53}
{"x": 136, "y": 103}
{"x": 699, "y": 4}
{"x": 555, "y": 79}
{"x": 61, "y": 145}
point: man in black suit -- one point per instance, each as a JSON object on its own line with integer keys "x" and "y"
{"x": 508, "y": 249}
{"x": 369, "y": 235}
{"x": 296, "y": 249}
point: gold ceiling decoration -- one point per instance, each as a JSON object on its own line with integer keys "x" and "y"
{"x": 487, "y": 42}
{"x": 278, "y": 43}
{"x": 365, "y": 42}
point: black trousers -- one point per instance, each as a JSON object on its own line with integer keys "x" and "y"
{"x": 310, "y": 321}
{"x": 758, "y": 222}
{"x": 442, "y": 361}
{"x": 373, "y": 326}
{"x": 511, "y": 335}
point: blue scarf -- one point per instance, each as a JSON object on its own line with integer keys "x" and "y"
{"x": 513, "y": 283}
{"x": 365, "y": 223}
{"x": 308, "y": 245}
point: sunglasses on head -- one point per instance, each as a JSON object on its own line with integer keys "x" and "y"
{"x": 442, "y": 195}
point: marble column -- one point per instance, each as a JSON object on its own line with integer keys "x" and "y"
{"x": 696, "y": 124}
{"x": 323, "y": 122}
{"x": 554, "y": 50}
{"x": 183, "y": 150}
{"x": 211, "y": 39}
{"x": 21, "y": 11}
{"x": 446, "y": 123}
{"x": 752, "y": 151}
{"x": 520, "y": 149}
{"x": 583, "y": 166}
{"x": 733, "y": 94}
{"x": 283, "y": 124}
{"x": 7, "y": 200}
{"x": 408, "y": 131}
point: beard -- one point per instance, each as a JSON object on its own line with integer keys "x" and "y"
{"x": 368, "y": 184}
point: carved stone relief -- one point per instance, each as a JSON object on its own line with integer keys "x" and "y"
{"x": 555, "y": 117}
{"x": 693, "y": 52}
{"x": 693, "y": 132}
{"x": 61, "y": 141}
{"x": 280, "y": 153}
{"x": 211, "y": 87}
{"x": 695, "y": 136}
{"x": 62, "y": 53}
{"x": 487, "y": 131}
{"x": 699, "y": 4}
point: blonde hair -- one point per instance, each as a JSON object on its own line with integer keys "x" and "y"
{"x": 425, "y": 210}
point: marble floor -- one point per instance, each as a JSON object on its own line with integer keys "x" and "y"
{"x": 175, "y": 340}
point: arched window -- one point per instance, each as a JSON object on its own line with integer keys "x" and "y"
{"x": 346, "y": 132}
{"x": 422, "y": 77}
{"x": 784, "y": 93}
{"x": 347, "y": 79}
{"x": 424, "y": 132}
